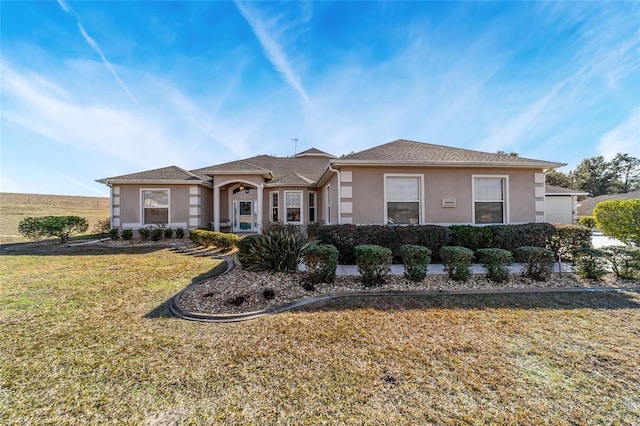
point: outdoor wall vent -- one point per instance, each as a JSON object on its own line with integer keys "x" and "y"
{"x": 448, "y": 202}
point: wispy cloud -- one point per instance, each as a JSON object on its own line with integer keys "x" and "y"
{"x": 625, "y": 138}
{"x": 94, "y": 45}
{"x": 270, "y": 34}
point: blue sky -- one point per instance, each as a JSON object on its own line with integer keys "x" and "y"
{"x": 97, "y": 89}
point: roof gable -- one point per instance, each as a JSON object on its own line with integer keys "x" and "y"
{"x": 164, "y": 174}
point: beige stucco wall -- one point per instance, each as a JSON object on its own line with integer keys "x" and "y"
{"x": 131, "y": 205}
{"x": 206, "y": 197}
{"x": 322, "y": 201}
{"x": 440, "y": 183}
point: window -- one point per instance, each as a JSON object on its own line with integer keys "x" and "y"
{"x": 155, "y": 206}
{"x": 293, "y": 201}
{"x": 275, "y": 213}
{"x": 312, "y": 206}
{"x": 402, "y": 197}
{"x": 489, "y": 199}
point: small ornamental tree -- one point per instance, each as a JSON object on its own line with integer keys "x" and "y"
{"x": 62, "y": 227}
{"x": 619, "y": 219}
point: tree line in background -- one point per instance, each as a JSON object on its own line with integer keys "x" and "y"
{"x": 597, "y": 176}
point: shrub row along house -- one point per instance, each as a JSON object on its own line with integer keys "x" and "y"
{"x": 401, "y": 182}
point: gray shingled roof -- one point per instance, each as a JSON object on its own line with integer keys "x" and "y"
{"x": 314, "y": 152}
{"x": 558, "y": 190}
{"x": 586, "y": 206}
{"x": 164, "y": 174}
{"x": 307, "y": 169}
{"x": 405, "y": 151}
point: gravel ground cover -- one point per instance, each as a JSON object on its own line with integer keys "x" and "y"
{"x": 246, "y": 291}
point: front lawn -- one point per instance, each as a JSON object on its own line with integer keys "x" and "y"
{"x": 86, "y": 339}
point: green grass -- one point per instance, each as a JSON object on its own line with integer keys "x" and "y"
{"x": 86, "y": 339}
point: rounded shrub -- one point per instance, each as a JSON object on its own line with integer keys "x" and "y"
{"x": 321, "y": 261}
{"x": 624, "y": 260}
{"x": 457, "y": 262}
{"x": 416, "y": 261}
{"x": 590, "y": 263}
{"x": 587, "y": 222}
{"x": 537, "y": 262}
{"x": 496, "y": 262}
{"x": 374, "y": 263}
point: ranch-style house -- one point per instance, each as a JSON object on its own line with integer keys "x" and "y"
{"x": 398, "y": 183}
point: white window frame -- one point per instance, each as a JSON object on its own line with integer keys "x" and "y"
{"x": 505, "y": 202}
{"x": 420, "y": 177}
{"x": 302, "y": 204}
{"x": 271, "y": 206}
{"x": 328, "y": 204}
{"x": 315, "y": 205}
{"x": 142, "y": 207}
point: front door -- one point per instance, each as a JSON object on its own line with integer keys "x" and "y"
{"x": 242, "y": 216}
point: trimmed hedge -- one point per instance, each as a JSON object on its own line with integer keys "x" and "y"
{"x": 342, "y": 237}
{"x": 471, "y": 237}
{"x": 321, "y": 261}
{"x": 569, "y": 238}
{"x": 416, "y": 260}
{"x": 510, "y": 237}
{"x": 374, "y": 263}
{"x": 457, "y": 262}
{"x": 210, "y": 238}
{"x": 346, "y": 237}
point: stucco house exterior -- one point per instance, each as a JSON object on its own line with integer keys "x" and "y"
{"x": 401, "y": 182}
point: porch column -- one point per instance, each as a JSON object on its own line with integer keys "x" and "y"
{"x": 260, "y": 191}
{"x": 216, "y": 209}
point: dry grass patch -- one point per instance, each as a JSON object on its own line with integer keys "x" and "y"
{"x": 87, "y": 339}
{"x": 15, "y": 207}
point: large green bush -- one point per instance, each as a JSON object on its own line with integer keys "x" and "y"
{"x": 62, "y": 227}
{"x": 277, "y": 251}
{"x": 457, "y": 262}
{"x": 416, "y": 260}
{"x": 619, "y": 219}
{"x": 537, "y": 262}
{"x": 624, "y": 260}
{"x": 321, "y": 261}
{"x": 496, "y": 262}
{"x": 374, "y": 263}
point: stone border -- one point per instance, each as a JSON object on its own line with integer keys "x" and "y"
{"x": 176, "y": 310}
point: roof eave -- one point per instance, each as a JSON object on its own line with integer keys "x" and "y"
{"x": 110, "y": 182}
{"x": 266, "y": 173}
{"x": 414, "y": 163}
